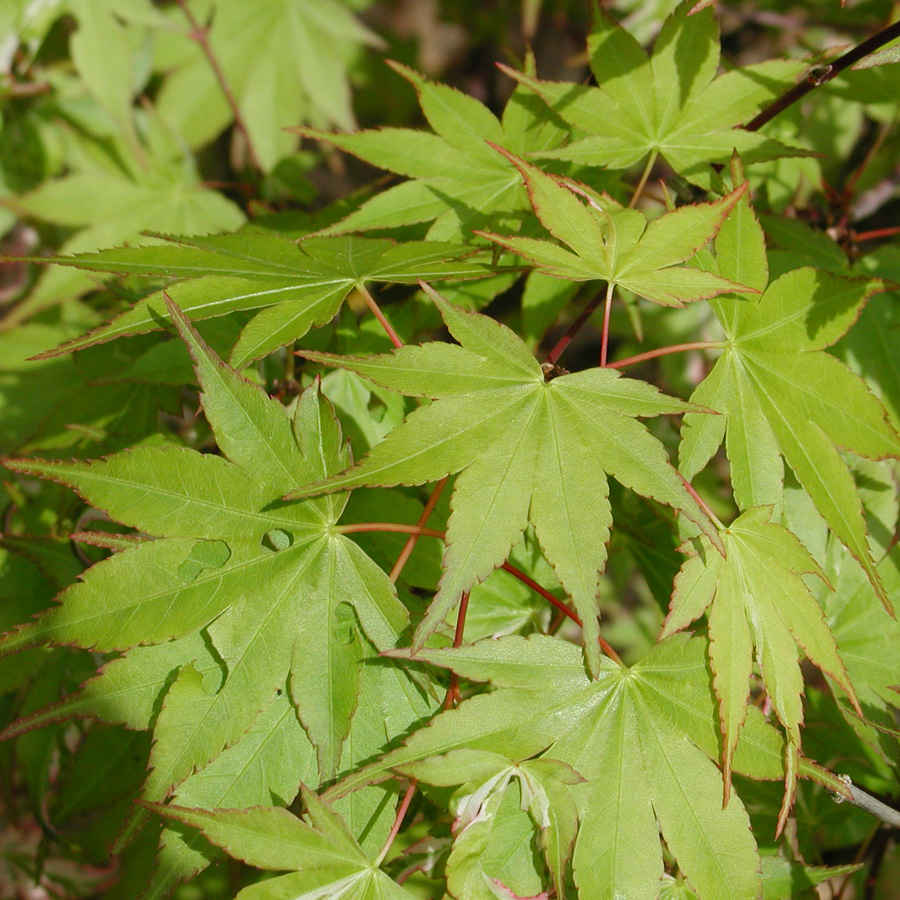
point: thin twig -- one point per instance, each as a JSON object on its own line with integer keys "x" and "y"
{"x": 201, "y": 36}
{"x": 816, "y": 77}
{"x": 872, "y": 805}
{"x": 376, "y": 311}
{"x": 877, "y": 233}
{"x": 410, "y": 544}
{"x": 665, "y": 351}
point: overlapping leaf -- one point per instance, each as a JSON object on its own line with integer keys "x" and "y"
{"x": 296, "y": 285}
{"x": 782, "y": 396}
{"x": 284, "y": 62}
{"x": 322, "y": 859}
{"x": 483, "y": 809}
{"x": 669, "y": 102}
{"x": 275, "y": 591}
{"x": 610, "y": 243}
{"x": 757, "y": 599}
{"x": 114, "y": 196}
{"x": 641, "y": 738}
{"x": 455, "y": 178}
{"x": 527, "y": 448}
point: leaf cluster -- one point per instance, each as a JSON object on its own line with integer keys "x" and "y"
{"x": 336, "y": 538}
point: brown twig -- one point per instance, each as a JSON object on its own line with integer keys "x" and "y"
{"x": 817, "y": 77}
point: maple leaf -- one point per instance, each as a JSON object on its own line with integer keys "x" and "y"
{"x": 322, "y": 858}
{"x": 269, "y": 582}
{"x": 486, "y": 777}
{"x": 455, "y": 178}
{"x": 757, "y": 598}
{"x": 668, "y": 103}
{"x": 642, "y": 739}
{"x": 114, "y": 196}
{"x": 781, "y": 396}
{"x": 527, "y": 449}
{"x": 296, "y": 285}
{"x": 261, "y": 47}
{"x": 610, "y": 243}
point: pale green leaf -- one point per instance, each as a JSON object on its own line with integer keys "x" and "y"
{"x": 608, "y": 243}
{"x": 782, "y": 397}
{"x": 758, "y": 600}
{"x": 549, "y": 428}
{"x": 626, "y": 734}
{"x": 461, "y": 182}
{"x": 260, "y": 577}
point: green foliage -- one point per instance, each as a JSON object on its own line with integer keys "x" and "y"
{"x": 510, "y": 650}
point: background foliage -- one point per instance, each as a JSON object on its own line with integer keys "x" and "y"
{"x": 530, "y": 257}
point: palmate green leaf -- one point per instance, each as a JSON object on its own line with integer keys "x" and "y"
{"x": 322, "y": 858}
{"x": 266, "y": 580}
{"x": 669, "y": 102}
{"x": 296, "y": 285}
{"x": 285, "y": 63}
{"x": 610, "y": 243}
{"x": 267, "y": 765}
{"x": 757, "y": 599}
{"x": 528, "y": 449}
{"x": 641, "y": 738}
{"x": 456, "y": 179}
{"x": 781, "y": 396}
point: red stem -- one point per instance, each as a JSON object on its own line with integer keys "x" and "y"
{"x": 461, "y": 620}
{"x": 376, "y": 311}
{"x": 664, "y": 351}
{"x": 398, "y": 821}
{"x": 574, "y": 328}
{"x": 607, "y": 649}
{"x": 452, "y": 697}
{"x": 700, "y": 501}
{"x": 390, "y": 526}
{"x": 877, "y": 233}
{"x": 201, "y": 36}
{"x": 518, "y": 573}
{"x": 410, "y": 545}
